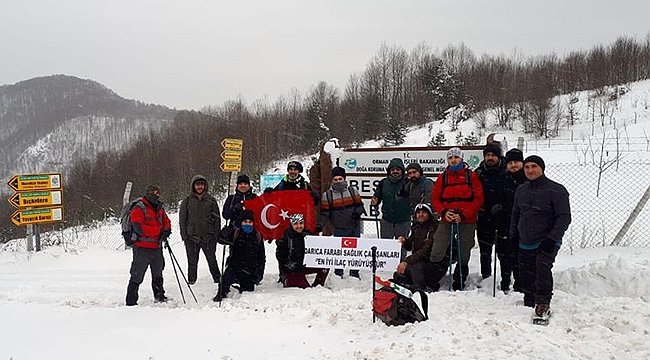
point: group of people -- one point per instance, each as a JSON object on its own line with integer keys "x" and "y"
{"x": 507, "y": 203}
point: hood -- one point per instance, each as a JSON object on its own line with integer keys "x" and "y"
{"x": 196, "y": 178}
{"x": 395, "y": 162}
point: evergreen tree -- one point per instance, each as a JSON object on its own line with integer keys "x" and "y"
{"x": 314, "y": 130}
{"x": 459, "y": 138}
{"x": 395, "y": 133}
{"x": 439, "y": 139}
{"x": 470, "y": 139}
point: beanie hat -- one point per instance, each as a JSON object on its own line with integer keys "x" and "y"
{"x": 338, "y": 171}
{"x": 455, "y": 151}
{"x": 416, "y": 167}
{"x": 424, "y": 207}
{"x": 243, "y": 179}
{"x": 296, "y": 218}
{"x": 151, "y": 188}
{"x": 247, "y": 215}
{"x": 514, "y": 155}
{"x": 537, "y": 160}
{"x": 492, "y": 148}
{"x": 294, "y": 164}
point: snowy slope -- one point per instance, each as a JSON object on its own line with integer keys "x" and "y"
{"x": 61, "y": 304}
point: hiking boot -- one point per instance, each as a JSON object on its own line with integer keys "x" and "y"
{"x": 542, "y": 310}
{"x": 160, "y": 299}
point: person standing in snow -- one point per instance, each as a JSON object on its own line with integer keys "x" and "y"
{"x": 492, "y": 173}
{"x": 200, "y": 224}
{"x": 152, "y": 228}
{"x": 540, "y": 216}
{"x": 341, "y": 206}
{"x": 396, "y": 211}
{"x": 234, "y": 205}
{"x": 457, "y": 196}
{"x": 290, "y": 253}
{"x": 418, "y": 187}
{"x": 507, "y": 249}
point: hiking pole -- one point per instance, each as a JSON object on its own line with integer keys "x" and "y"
{"x": 460, "y": 257}
{"x": 223, "y": 270}
{"x": 377, "y": 220}
{"x": 182, "y": 274}
{"x": 451, "y": 251}
{"x": 494, "y": 273}
{"x": 176, "y": 273}
{"x": 374, "y": 283}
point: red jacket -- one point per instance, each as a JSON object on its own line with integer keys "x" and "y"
{"x": 465, "y": 198}
{"x": 148, "y": 224}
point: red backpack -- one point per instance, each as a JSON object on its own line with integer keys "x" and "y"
{"x": 393, "y": 304}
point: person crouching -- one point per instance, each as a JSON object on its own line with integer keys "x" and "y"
{"x": 245, "y": 264}
{"x": 290, "y": 253}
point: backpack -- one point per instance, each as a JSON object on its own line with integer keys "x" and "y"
{"x": 394, "y": 305}
{"x": 125, "y": 220}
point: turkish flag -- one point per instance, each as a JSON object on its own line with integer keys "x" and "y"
{"x": 347, "y": 242}
{"x": 272, "y": 211}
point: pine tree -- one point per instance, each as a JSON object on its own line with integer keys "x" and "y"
{"x": 395, "y": 133}
{"x": 439, "y": 139}
{"x": 315, "y": 129}
{"x": 459, "y": 138}
{"x": 470, "y": 139}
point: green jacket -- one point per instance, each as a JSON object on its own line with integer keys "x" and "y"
{"x": 395, "y": 203}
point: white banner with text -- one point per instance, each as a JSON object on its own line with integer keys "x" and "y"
{"x": 351, "y": 253}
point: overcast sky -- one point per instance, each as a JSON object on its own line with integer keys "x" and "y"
{"x": 191, "y": 53}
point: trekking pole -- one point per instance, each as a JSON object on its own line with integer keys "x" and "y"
{"x": 182, "y": 274}
{"x": 223, "y": 270}
{"x": 176, "y": 273}
{"x": 374, "y": 283}
{"x": 451, "y": 252}
{"x": 494, "y": 281}
{"x": 460, "y": 257}
{"x": 377, "y": 220}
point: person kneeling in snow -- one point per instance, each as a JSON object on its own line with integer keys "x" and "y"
{"x": 245, "y": 264}
{"x": 290, "y": 253}
{"x": 416, "y": 271}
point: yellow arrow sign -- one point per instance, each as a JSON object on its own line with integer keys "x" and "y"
{"x": 36, "y": 182}
{"x": 232, "y": 144}
{"x": 35, "y": 199}
{"x": 37, "y": 216}
{"x": 231, "y": 155}
{"x": 228, "y": 166}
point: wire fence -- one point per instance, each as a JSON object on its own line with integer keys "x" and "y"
{"x": 602, "y": 200}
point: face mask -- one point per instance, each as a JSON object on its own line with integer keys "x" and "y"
{"x": 247, "y": 228}
{"x": 456, "y": 167}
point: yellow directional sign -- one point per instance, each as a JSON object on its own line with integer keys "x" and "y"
{"x": 35, "y": 199}
{"x": 228, "y": 166}
{"x": 233, "y": 144}
{"x": 37, "y": 216}
{"x": 36, "y": 182}
{"x": 231, "y": 155}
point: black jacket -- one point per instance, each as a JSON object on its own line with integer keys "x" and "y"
{"x": 492, "y": 179}
{"x": 233, "y": 207}
{"x": 290, "y": 251}
{"x": 541, "y": 211}
{"x": 199, "y": 217}
{"x": 247, "y": 254}
{"x": 512, "y": 182}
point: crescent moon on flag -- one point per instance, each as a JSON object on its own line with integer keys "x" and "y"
{"x": 265, "y": 221}
{"x": 347, "y": 242}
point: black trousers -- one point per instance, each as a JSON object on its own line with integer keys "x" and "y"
{"x": 507, "y": 252}
{"x": 142, "y": 259}
{"x": 209, "y": 248}
{"x": 235, "y": 275}
{"x": 485, "y": 228}
{"x": 422, "y": 275}
{"x": 536, "y": 276}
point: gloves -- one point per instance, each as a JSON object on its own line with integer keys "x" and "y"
{"x": 165, "y": 234}
{"x": 497, "y": 208}
{"x": 547, "y": 246}
{"x": 292, "y": 266}
{"x": 165, "y": 243}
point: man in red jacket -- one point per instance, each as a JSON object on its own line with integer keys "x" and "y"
{"x": 152, "y": 228}
{"x": 457, "y": 196}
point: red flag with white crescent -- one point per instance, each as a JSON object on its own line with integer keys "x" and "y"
{"x": 272, "y": 211}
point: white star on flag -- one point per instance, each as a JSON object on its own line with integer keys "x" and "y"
{"x": 284, "y": 214}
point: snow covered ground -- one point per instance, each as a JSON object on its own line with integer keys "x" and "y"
{"x": 69, "y": 305}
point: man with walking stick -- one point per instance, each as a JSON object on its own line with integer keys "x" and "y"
{"x": 151, "y": 228}
{"x": 457, "y": 196}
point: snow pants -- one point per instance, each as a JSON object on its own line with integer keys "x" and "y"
{"x": 298, "y": 278}
{"x": 440, "y": 249}
{"x": 536, "y": 276}
{"x": 142, "y": 259}
{"x": 209, "y": 248}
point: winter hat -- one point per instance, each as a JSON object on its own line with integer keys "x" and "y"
{"x": 416, "y": 167}
{"x": 247, "y": 215}
{"x": 395, "y": 163}
{"x": 425, "y": 207}
{"x": 296, "y": 218}
{"x": 537, "y": 160}
{"x": 492, "y": 148}
{"x": 514, "y": 155}
{"x": 151, "y": 189}
{"x": 294, "y": 164}
{"x": 243, "y": 179}
{"x": 455, "y": 151}
{"x": 338, "y": 171}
